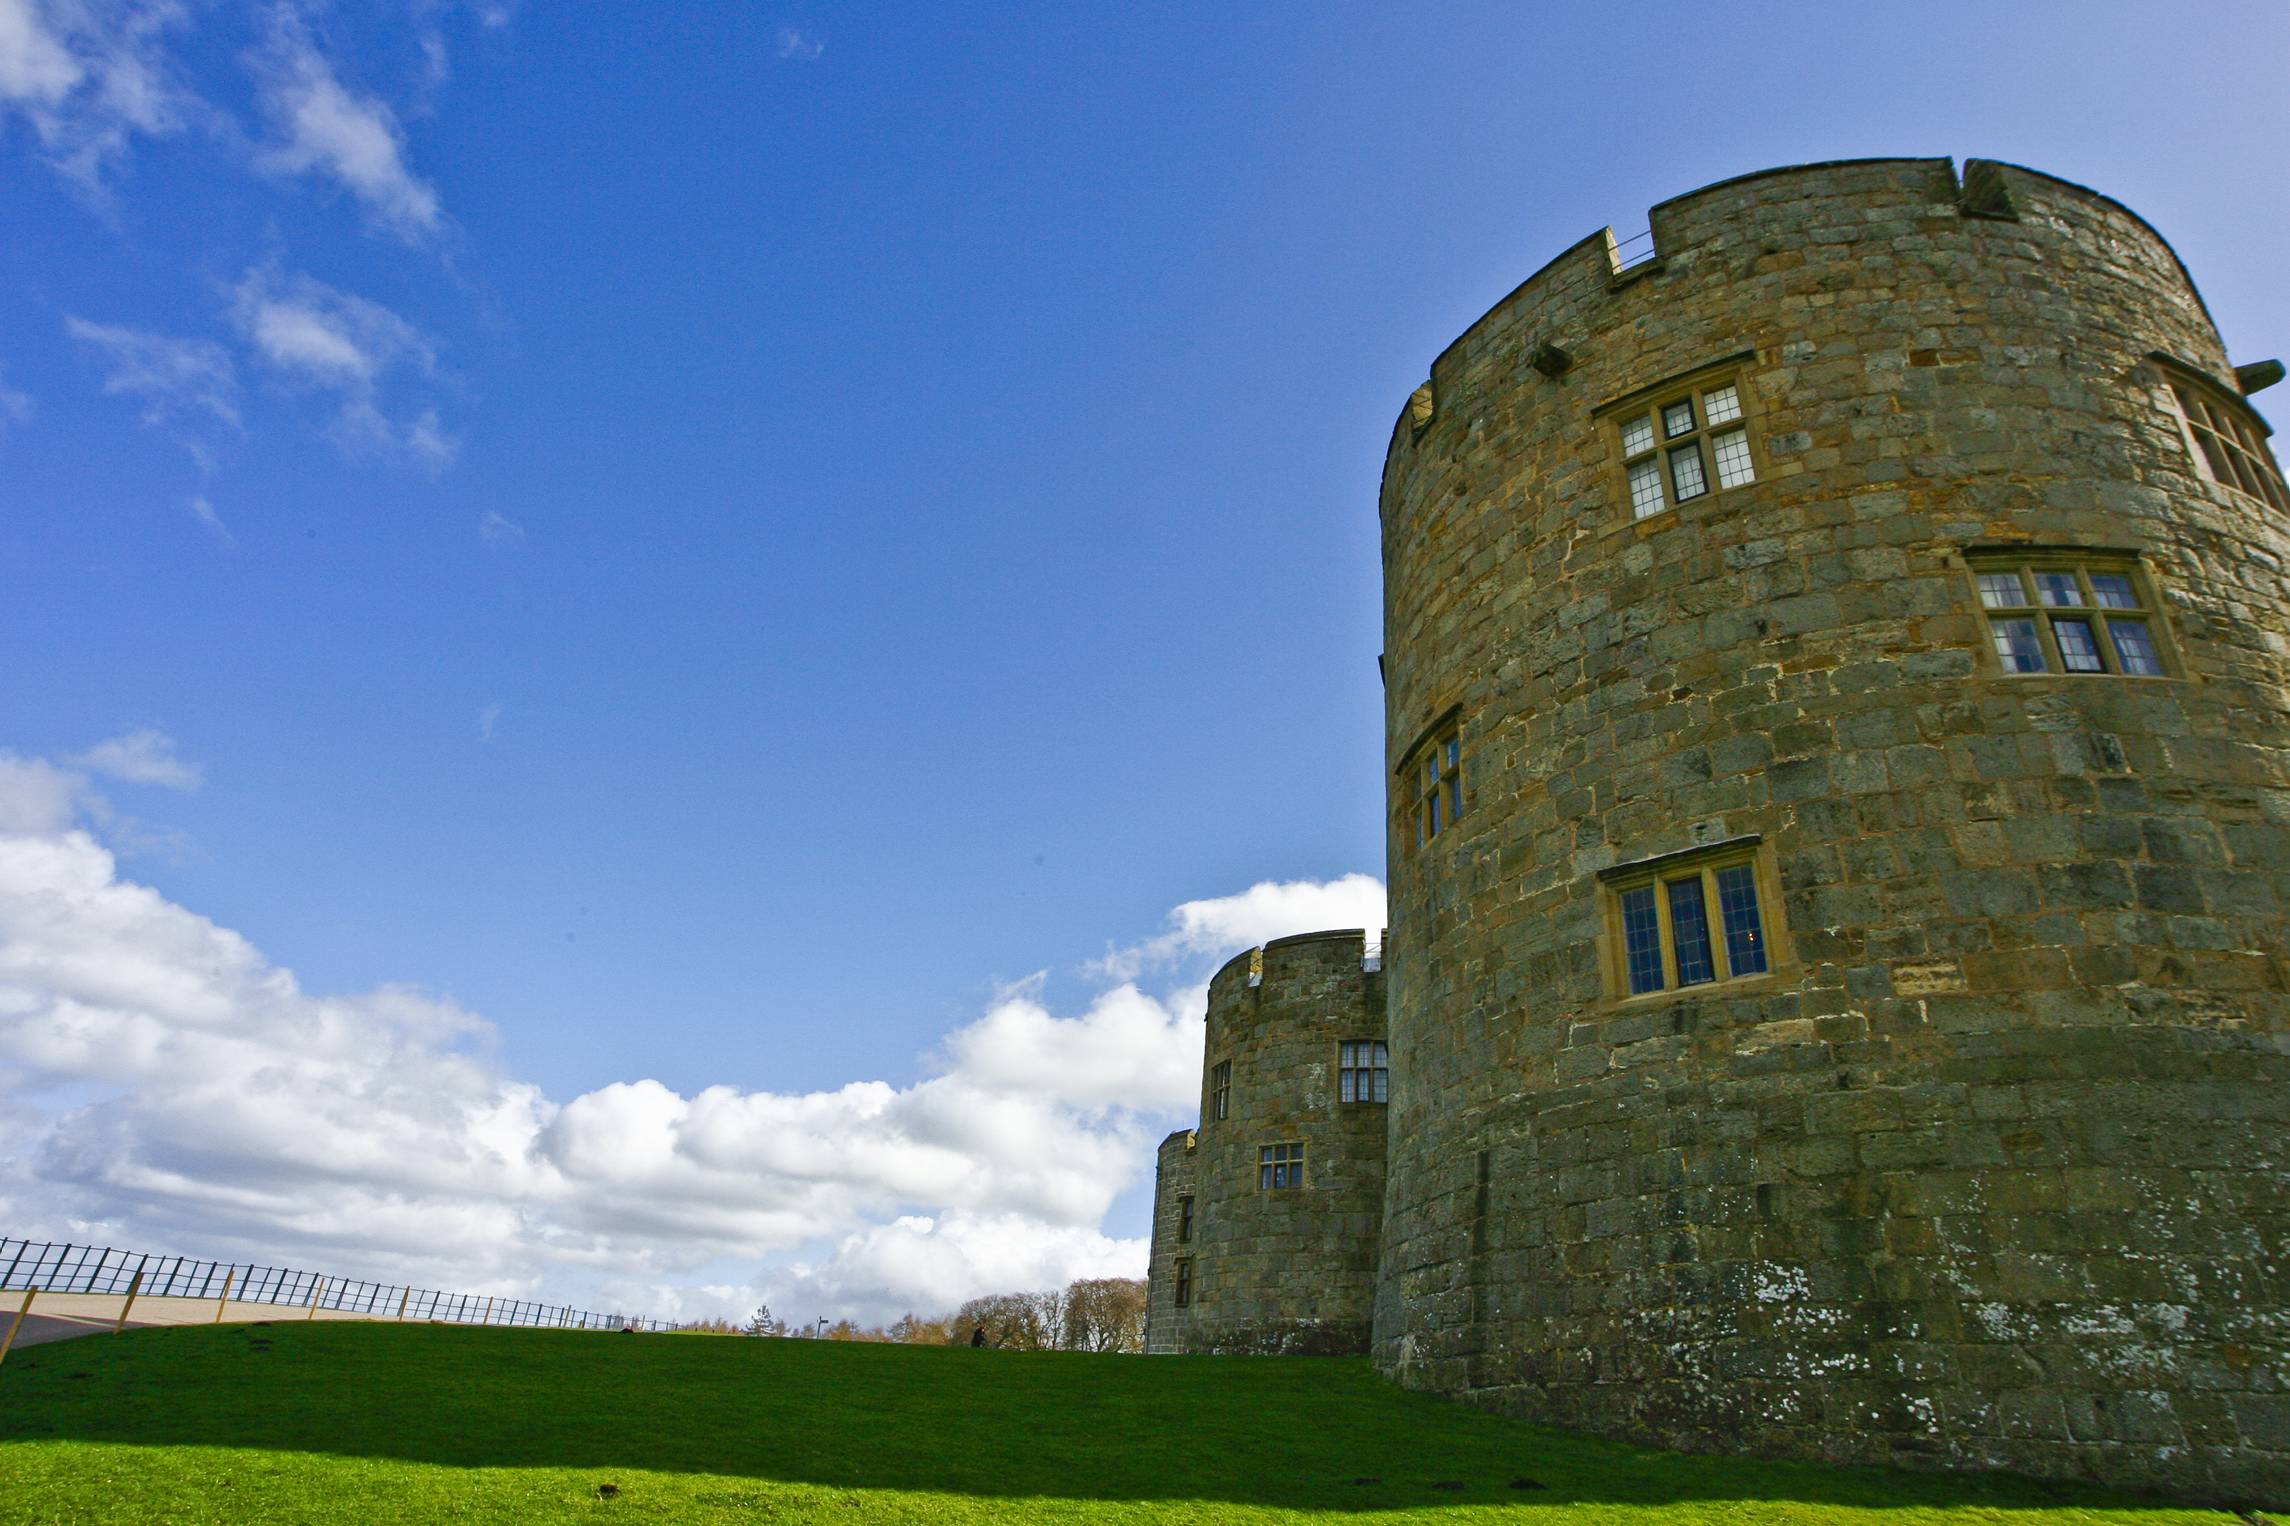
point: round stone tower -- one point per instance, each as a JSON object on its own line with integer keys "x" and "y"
{"x": 1839, "y": 718}
{"x": 1287, "y": 1168}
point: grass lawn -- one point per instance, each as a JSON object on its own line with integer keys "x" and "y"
{"x": 354, "y": 1422}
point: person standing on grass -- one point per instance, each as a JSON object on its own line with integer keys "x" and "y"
{"x": 977, "y": 1337}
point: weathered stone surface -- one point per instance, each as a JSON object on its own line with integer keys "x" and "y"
{"x": 1290, "y": 1270}
{"x": 1995, "y": 1169}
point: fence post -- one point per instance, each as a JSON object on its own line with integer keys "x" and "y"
{"x": 17, "y": 1323}
{"x": 133, "y": 1287}
{"x": 316, "y": 1293}
{"x": 403, "y": 1302}
{"x": 224, "y": 1302}
{"x": 486, "y": 1318}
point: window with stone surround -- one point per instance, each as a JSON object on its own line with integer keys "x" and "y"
{"x": 2230, "y": 440}
{"x": 1363, "y": 1071}
{"x": 1439, "y": 784}
{"x": 2069, "y": 612}
{"x": 1703, "y": 917}
{"x": 1184, "y": 1219}
{"x": 1220, "y": 1090}
{"x": 1184, "y": 1281}
{"x": 1279, "y": 1167}
{"x": 1683, "y": 443}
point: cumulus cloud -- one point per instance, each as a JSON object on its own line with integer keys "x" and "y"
{"x": 90, "y": 75}
{"x": 323, "y": 127}
{"x": 1270, "y": 909}
{"x": 179, "y": 381}
{"x": 164, "y": 1082}
{"x": 318, "y": 339}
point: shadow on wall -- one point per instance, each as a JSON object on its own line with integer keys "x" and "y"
{"x": 1320, "y": 1435}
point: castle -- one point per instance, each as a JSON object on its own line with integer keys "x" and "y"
{"x": 1837, "y": 676}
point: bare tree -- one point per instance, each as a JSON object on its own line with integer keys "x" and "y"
{"x": 1012, "y": 1321}
{"x": 1105, "y": 1314}
{"x": 1050, "y": 1315}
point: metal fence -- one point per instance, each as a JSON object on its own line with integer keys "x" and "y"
{"x": 50, "y": 1267}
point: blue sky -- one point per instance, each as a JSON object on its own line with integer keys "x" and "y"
{"x": 721, "y": 544}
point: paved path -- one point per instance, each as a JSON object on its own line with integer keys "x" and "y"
{"x": 60, "y": 1316}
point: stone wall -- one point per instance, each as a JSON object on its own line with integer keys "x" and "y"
{"x": 1285, "y": 1269}
{"x": 1176, "y": 1183}
{"x": 1991, "y": 1168}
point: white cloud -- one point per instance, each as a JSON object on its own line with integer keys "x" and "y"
{"x": 141, "y": 757}
{"x": 204, "y": 513}
{"x": 322, "y": 127}
{"x": 37, "y": 798}
{"x": 180, "y": 381}
{"x": 487, "y": 719}
{"x": 35, "y": 66}
{"x": 166, "y": 1084}
{"x": 1269, "y": 909}
{"x": 795, "y": 44}
{"x": 89, "y": 75}
{"x": 323, "y": 340}
{"x": 499, "y": 530}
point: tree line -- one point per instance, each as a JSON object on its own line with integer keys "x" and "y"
{"x": 1089, "y": 1314}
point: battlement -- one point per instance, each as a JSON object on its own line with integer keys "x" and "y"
{"x": 1304, "y": 962}
{"x": 1725, "y": 228}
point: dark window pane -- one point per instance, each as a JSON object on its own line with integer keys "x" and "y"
{"x": 1642, "y": 940}
{"x": 1678, "y": 418}
{"x": 1690, "y": 932}
{"x": 2113, "y": 591}
{"x": 1744, "y": 931}
{"x": 1347, "y": 1086}
{"x": 1686, "y": 472}
{"x": 2078, "y": 646}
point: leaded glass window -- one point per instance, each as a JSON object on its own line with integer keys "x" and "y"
{"x": 1682, "y": 448}
{"x": 2068, "y": 614}
{"x": 1439, "y": 785}
{"x": 1363, "y": 1071}
{"x": 1279, "y": 1167}
{"x": 1697, "y": 920}
{"x": 2232, "y": 444}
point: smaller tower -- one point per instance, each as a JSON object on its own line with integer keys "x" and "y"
{"x": 1266, "y": 1218}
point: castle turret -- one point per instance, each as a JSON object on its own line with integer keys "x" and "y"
{"x": 1266, "y": 1220}
{"x": 1839, "y": 694}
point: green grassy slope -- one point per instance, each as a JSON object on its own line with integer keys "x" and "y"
{"x": 346, "y": 1422}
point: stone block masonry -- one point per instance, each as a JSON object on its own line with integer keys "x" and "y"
{"x": 1976, "y": 1153}
{"x": 1838, "y": 731}
{"x": 1281, "y": 1253}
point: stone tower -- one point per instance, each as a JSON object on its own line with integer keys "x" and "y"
{"x": 1265, "y": 1219}
{"x": 1839, "y": 720}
